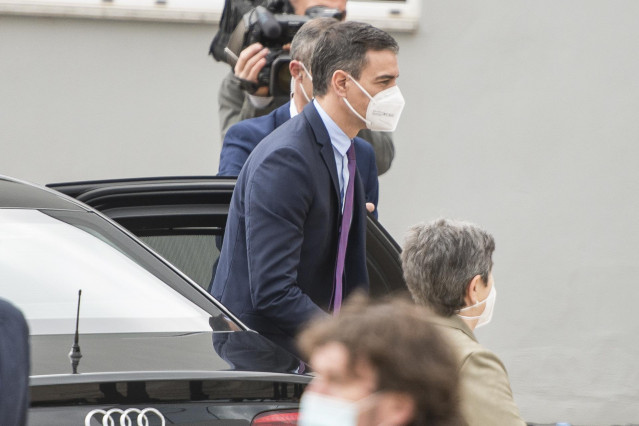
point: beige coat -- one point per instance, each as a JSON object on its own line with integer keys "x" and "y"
{"x": 486, "y": 398}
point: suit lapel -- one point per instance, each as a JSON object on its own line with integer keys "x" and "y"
{"x": 324, "y": 141}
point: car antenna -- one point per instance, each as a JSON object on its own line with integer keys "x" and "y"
{"x": 75, "y": 353}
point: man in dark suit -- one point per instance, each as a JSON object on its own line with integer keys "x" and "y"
{"x": 243, "y": 137}
{"x": 295, "y": 244}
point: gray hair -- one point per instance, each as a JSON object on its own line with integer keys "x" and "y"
{"x": 306, "y": 37}
{"x": 344, "y": 46}
{"x": 441, "y": 258}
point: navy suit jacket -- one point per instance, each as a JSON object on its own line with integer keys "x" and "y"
{"x": 244, "y": 136}
{"x": 277, "y": 265}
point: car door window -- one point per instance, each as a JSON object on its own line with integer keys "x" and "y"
{"x": 46, "y": 257}
{"x": 195, "y": 254}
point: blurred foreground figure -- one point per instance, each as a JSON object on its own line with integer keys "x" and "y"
{"x": 14, "y": 366}
{"x": 379, "y": 364}
{"x": 448, "y": 267}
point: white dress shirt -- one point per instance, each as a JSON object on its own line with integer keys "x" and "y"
{"x": 340, "y": 143}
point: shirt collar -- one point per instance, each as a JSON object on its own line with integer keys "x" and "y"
{"x": 339, "y": 140}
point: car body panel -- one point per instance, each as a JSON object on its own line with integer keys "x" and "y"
{"x": 140, "y": 352}
{"x": 183, "y": 398}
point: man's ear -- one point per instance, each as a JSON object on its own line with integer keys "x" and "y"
{"x": 295, "y": 68}
{"x": 338, "y": 82}
{"x": 472, "y": 296}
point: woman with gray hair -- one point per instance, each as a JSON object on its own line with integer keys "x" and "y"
{"x": 448, "y": 267}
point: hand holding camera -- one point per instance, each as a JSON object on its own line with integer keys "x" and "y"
{"x": 257, "y": 48}
{"x": 248, "y": 66}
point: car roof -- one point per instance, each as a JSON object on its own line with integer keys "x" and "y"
{"x": 21, "y": 194}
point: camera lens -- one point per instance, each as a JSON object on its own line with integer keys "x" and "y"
{"x": 283, "y": 79}
{"x": 280, "y": 76}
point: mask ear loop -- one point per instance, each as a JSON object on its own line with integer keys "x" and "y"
{"x": 348, "y": 104}
{"x": 360, "y": 87}
{"x": 475, "y": 305}
{"x": 308, "y": 100}
{"x": 491, "y": 294}
{"x": 306, "y": 71}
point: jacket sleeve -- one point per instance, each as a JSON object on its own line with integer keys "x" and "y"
{"x": 277, "y": 203}
{"x": 486, "y": 397}
{"x": 235, "y": 106}
{"x": 230, "y": 99}
{"x": 236, "y": 148}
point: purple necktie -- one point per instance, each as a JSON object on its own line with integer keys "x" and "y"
{"x": 344, "y": 228}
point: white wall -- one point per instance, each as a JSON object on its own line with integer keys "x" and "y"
{"x": 85, "y": 99}
{"x": 520, "y": 116}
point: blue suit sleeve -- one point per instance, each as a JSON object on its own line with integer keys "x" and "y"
{"x": 278, "y": 199}
{"x": 236, "y": 147}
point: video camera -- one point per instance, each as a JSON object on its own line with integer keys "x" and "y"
{"x": 274, "y": 28}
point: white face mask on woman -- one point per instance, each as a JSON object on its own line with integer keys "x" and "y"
{"x": 384, "y": 109}
{"x": 487, "y": 315}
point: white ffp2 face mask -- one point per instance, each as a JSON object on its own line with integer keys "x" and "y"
{"x": 487, "y": 315}
{"x": 321, "y": 410}
{"x": 384, "y": 109}
{"x": 317, "y": 409}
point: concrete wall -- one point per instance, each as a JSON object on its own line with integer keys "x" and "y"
{"x": 521, "y": 116}
{"x": 84, "y": 99}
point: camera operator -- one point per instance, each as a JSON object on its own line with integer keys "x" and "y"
{"x": 236, "y": 103}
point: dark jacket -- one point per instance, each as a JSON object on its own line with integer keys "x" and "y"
{"x": 277, "y": 264}
{"x": 14, "y": 366}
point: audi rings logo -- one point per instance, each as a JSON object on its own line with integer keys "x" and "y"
{"x": 124, "y": 417}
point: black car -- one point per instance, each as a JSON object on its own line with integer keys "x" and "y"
{"x": 155, "y": 347}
